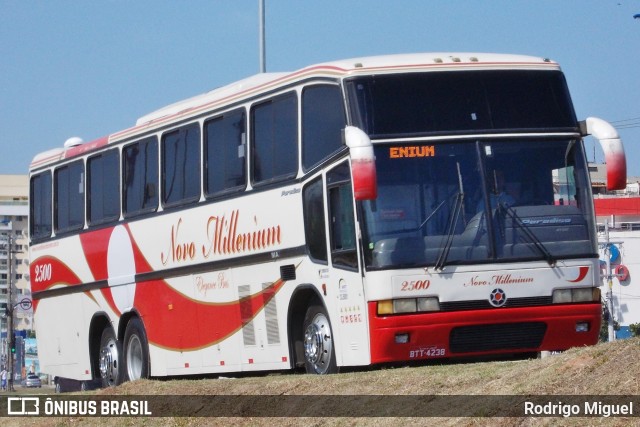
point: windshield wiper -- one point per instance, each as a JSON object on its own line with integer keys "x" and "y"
{"x": 451, "y": 226}
{"x": 532, "y": 237}
{"x": 450, "y": 232}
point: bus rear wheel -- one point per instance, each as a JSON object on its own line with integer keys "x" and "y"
{"x": 319, "y": 355}
{"x": 136, "y": 350}
{"x": 110, "y": 359}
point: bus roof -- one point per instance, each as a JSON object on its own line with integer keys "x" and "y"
{"x": 267, "y": 81}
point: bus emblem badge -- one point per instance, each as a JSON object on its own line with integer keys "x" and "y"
{"x": 498, "y": 298}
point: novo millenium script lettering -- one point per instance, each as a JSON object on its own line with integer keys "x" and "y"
{"x": 223, "y": 238}
{"x": 498, "y": 279}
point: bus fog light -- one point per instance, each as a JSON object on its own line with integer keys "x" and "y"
{"x": 402, "y": 338}
{"x": 561, "y": 296}
{"x": 582, "y": 327}
{"x": 404, "y": 305}
{"x": 428, "y": 304}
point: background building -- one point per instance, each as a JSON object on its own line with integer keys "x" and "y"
{"x": 621, "y": 211}
{"x": 14, "y": 211}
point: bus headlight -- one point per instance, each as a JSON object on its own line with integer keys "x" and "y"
{"x": 408, "y": 305}
{"x": 565, "y": 296}
{"x": 428, "y": 304}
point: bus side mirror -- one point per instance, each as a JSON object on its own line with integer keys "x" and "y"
{"x": 363, "y": 165}
{"x": 614, "y": 156}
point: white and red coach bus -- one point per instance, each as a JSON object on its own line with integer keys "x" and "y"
{"x": 380, "y": 209}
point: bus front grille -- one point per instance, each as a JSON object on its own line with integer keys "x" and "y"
{"x": 484, "y": 304}
{"x": 509, "y": 336}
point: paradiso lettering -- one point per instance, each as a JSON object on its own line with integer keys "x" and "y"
{"x": 412, "y": 151}
{"x": 223, "y": 238}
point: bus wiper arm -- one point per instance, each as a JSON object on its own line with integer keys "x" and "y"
{"x": 532, "y": 237}
{"x": 453, "y": 221}
{"x": 450, "y": 232}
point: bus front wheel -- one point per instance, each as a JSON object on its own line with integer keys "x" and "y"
{"x": 319, "y": 355}
{"x": 110, "y": 359}
{"x": 136, "y": 350}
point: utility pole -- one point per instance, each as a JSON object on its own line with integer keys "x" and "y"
{"x": 10, "y": 332}
{"x": 607, "y": 257}
{"x": 263, "y": 59}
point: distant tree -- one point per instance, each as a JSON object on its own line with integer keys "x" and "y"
{"x": 604, "y": 326}
{"x": 635, "y": 329}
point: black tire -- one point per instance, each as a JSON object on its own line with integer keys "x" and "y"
{"x": 110, "y": 359}
{"x": 136, "y": 351}
{"x": 319, "y": 353}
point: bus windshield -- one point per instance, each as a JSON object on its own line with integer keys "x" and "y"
{"x": 452, "y": 102}
{"x": 471, "y": 202}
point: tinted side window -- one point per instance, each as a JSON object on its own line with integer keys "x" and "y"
{"x": 103, "y": 182}
{"x": 225, "y": 153}
{"x": 341, "y": 217}
{"x": 275, "y": 139}
{"x": 314, "y": 224}
{"x": 181, "y": 165}
{"x": 40, "y": 213}
{"x": 323, "y": 119}
{"x": 69, "y": 197}
{"x": 140, "y": 177}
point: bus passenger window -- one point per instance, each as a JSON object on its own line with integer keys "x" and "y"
{"x": 41, "y": 209}
{"x": 140, "y": 177}
{"x": 69, "y": 197}
{"x": 181, "y": 165}
{"x": 323, "y": 120}
{"x": 275, "y": 139}
{"x": 103, "y": 193}
{"x": 225, "y": 153}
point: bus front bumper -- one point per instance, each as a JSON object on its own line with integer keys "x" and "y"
{"x": 496, "y": 331}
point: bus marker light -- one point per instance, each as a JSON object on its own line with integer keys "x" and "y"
{"x": 385, "y": 307}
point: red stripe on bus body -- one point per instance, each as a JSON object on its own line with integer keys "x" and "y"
{"x": 173, "y": 320}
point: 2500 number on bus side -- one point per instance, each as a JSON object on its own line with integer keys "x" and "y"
{"x": 42, "y": 272}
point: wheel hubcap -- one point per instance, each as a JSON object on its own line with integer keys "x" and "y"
{"x": 134, "y": 358}
{"x": 109, "y": 362}
{"x": 318, "y": 343}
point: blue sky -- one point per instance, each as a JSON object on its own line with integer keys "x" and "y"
{"x": 91, "y": 68}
